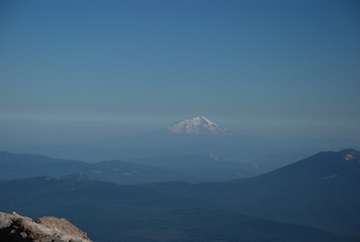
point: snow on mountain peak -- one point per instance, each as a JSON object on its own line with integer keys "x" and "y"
{"x": 196, "y": 125}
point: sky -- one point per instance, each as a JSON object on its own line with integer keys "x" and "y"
{"x": 85, "y": 69}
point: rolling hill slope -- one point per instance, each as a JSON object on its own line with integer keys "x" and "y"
{"x": 110, "y": 213}
{"x": 321, "y": 191}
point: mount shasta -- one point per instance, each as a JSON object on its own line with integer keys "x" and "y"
{"x": 194, "y": 136}
{"x": 197, "y": 125}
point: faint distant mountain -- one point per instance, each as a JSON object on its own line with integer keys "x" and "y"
{"x": 195, "y": 126}
{"x": 196, "y": 136}
{"x": 153, "y": 169}
{"x": 78, "y": 177}
{"x": 15, "y": 166}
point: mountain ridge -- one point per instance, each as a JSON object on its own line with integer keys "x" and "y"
{"x": 190, "y": 168}
{"x": 311, "y": 191}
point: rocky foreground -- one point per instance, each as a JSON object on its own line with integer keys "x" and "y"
{"x": 17, "y": 228}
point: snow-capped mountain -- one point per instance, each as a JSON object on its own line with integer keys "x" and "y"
{"x": 196, "y": 125}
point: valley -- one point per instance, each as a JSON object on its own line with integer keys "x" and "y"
{"x": 302, "y": 201}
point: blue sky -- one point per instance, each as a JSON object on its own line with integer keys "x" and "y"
{"x": 260, "y": 67}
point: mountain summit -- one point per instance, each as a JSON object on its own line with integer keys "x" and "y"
{"x": 196, "y": 125}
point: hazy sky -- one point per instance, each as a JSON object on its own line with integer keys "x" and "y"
{"x": 87, "y": 68}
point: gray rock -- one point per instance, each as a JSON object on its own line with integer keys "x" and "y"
{"x": 17, "y": 228}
